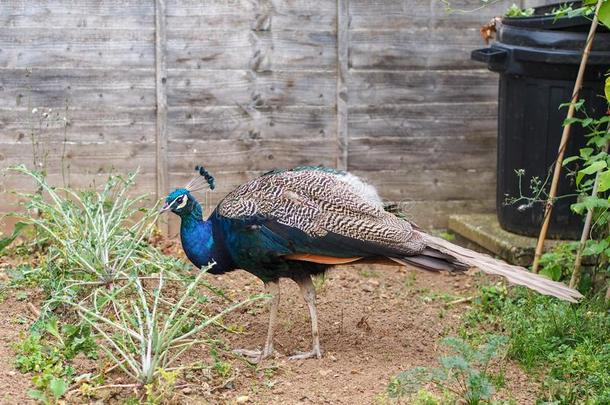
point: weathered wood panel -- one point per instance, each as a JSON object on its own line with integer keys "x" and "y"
{"x": 76, "y": 14}
{"x": 68, "y": 8}
{"x": 439, "y": 86}
{"x": 415, "y": 47}
{"x": 161, "y": 136}
{"x": 435, "y": 184}
{"x": 424, "y": 119}
{"x": 94, "y": 88}
{"x": 315, "y": 15}
{"x": 235, "y": 49}
{"x": 65, "y": 48}
{"x": 304, "y": 8}
{"x": 249, "y": 154}
{"x": 422, "y": 115}
{"x": 209, "y": 123}
{"x": 257, "y": 15}
{"x": 102, "y": 157}
{"x": 83, "y": 125}
{"x": 457, "y": 152}
{"x": 395, "y": 15}
{"x": 246, "y": 88}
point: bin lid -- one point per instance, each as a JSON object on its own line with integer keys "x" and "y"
{"x": 543, "y": 39}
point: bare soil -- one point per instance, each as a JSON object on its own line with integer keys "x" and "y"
{"x": 375, "y": 321}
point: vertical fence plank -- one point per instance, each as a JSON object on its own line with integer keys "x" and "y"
{"x": 342, "y": 102}
{"x": 161, "y": 98}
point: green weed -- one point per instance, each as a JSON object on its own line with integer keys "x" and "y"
{"x": 48, "y": 356}
{"x": 464, "y": 375}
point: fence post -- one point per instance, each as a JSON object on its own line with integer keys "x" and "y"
{"x": 342, "y": 71}
{"x": 161, "y": 105}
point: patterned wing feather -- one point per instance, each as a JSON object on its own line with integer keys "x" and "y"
{"x": 320, "y": 201}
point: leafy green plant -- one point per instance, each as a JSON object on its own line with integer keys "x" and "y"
{"x": 89, "y": 229}
{"x": 558, "y": 263}
{"x": 47, "y": 355}
{"x": 463, "y": 375}
{"x": 142, "y": 330}
{"x": 516, "y": 11}
{"x": 161, "y": 390}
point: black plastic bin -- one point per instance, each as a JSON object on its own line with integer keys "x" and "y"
{"x": 537, "y": 58}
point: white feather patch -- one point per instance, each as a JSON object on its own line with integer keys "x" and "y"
{"x": 362, "y": 188}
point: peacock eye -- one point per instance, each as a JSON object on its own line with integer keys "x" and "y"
{"x": 182, "y": 200}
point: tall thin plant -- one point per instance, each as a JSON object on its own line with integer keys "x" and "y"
{"x": 96, "y": 233}
{"x": 149, "y": 333}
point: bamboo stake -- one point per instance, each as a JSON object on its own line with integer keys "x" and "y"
{"x": 586, "y": 229}
{"x": 565, "y": 136}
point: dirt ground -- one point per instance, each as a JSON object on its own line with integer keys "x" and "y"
{"x": 375, "y": 321}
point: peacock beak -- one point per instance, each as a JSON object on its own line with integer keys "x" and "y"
{"x": 165, "y": 207}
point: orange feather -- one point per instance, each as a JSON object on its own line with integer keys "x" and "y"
{"x": 308, "y": 257}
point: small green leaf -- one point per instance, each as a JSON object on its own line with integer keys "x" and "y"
{"x": 577, "y": 105}
{"x": 39, "y": 395}
{"x": 16, "y": 231}
{"x": 607, "y": 88}
{"x": 570, "y": 121}
{"x": 51, "y": 327}
{"x": 586, "y": 152}
{"x": 570, "y": 159}
{"x": 552, "y": 272}
{"x": 604, "y": 17}
{"x": 586, "y": 122}
{"x": 590, "y": 203}
{"x": 604, "y": 181}
{"x": 595, "y": 247}
{"x": 592, "y": 168}
{"x": 58, "y": 387}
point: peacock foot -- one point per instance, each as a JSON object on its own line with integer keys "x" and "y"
{"x": 254, "y": 356}
{"x": 315, "y": 353}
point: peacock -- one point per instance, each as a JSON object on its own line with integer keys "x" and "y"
{"x": 299, "y": 222}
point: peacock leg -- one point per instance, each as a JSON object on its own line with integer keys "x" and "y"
{"x": 272, "y": 288}
{"x": 309, "y": 294}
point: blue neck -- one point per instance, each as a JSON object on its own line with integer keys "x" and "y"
{"x": 197, "y": 237}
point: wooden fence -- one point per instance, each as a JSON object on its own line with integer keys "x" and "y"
{"x": 384, "y": 88}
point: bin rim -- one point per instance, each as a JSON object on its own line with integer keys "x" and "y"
{"x": 553, "y": 56}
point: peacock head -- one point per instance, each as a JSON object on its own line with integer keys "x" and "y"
{"x": 181, "y": 201}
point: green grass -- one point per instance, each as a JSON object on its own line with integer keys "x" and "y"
{"x": 566, "y": 346}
